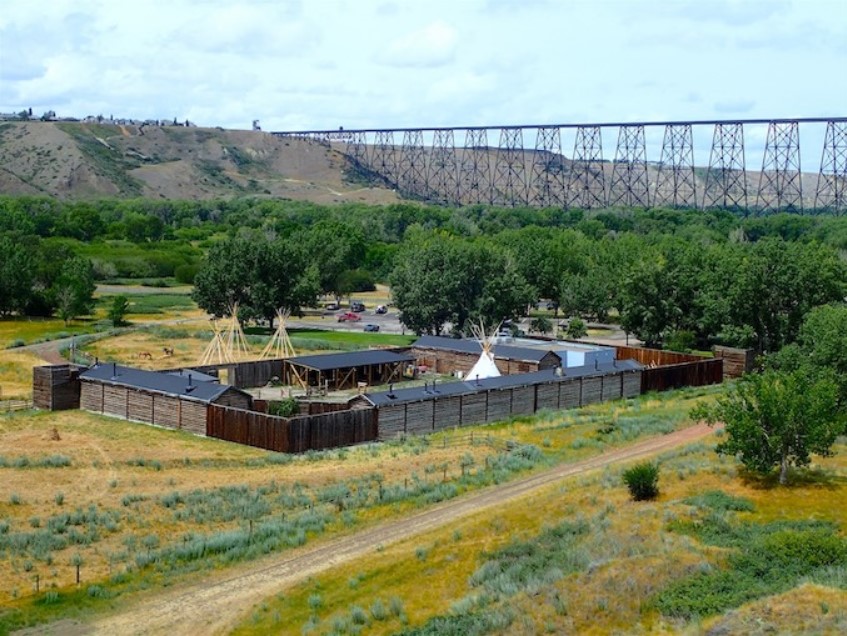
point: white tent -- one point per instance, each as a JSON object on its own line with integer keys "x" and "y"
{"x": 485, "y": 367}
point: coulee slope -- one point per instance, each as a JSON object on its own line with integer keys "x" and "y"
{"x": 82, "y": 161}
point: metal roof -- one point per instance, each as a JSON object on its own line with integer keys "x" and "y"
{"x": 448, "y": 389}
{"x": 350, "y": 359}
{"x": 526, "y": 354}
{"x": 186, "y": 386}
{"x": 197, "y": 376}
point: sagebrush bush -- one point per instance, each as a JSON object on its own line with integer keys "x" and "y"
{"x": 642, "y": 481}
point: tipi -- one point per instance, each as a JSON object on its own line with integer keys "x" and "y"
{"x": 485, "y": 367}
{"x": 279, "y": 346}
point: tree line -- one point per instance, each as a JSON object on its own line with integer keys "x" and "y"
{"x": 682, "y": 279}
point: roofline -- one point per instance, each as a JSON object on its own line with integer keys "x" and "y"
{"x": 182, "y": 396}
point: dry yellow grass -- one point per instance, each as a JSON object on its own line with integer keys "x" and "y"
{"x": 104, "y": 454}
{"x": 16, "y": 374}
{"x": 807, "y": 609}
{"x": 130, "y": 348}
{"x": 633, "y": 556}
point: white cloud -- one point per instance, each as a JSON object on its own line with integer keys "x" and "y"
{"x": 433, "y": 45}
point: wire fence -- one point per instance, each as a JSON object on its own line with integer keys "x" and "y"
{"x": 7, "y": 406}
{"x": 474, "y": 439}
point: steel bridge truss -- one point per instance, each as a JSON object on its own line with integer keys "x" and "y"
{"x": 528, "y": 168}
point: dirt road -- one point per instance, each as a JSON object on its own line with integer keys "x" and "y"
{"x": 215, "y": 605}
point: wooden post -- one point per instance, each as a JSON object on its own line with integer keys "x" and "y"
{"x": 77, "y": 574}
{"x": 37, "y": 583}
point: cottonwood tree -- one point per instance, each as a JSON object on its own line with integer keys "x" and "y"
{"x": 439, "y": 279}
{"x": 777, "y": 419}
{"x": 260, "y": 275}
{"x": 74, "y": 289}
{"x": 16, "y": 275}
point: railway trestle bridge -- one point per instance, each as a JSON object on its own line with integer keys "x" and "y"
{"x": 526, "y": 166}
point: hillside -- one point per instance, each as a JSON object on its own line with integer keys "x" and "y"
{"x": 86, "y": 161}
{"x": 80, "y": 161}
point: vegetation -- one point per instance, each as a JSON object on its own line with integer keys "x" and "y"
{"x": 777, "y": 419}
{"x": 118, "y": 310}
{"x": 642, "y": 481}
{"x": 673, "y": 277}
{"x": 766, "y": 559}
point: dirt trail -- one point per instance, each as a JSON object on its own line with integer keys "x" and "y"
{"x": 214, "y": 605}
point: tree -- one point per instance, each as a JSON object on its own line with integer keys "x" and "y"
{"x": 777, "y": 419}
{"x": 439, "y": 279}
{"x": 74, "y": 289}
{"x": 281, "y": 277}
{"x": 334, "y": 247}
{"x": 261, "y": 276}
{"x": 225, "y": 276}
{"x": 16, "y": 267}
{"x": 540, "y": 324}
{"x": 819, "y": 347}
{"x": 118, "y": 310}
{"x": 576, "y": 329}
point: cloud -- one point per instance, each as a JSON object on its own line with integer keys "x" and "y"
{"x": 432, "y": 46}
{"x": 737, "y": 107}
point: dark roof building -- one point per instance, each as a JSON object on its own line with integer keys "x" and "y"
{"x": 525, "y": 354}
{"x": 174, "y": 400}
{"x": 338, "y": 371}
{"x": 437, "y": 390}
{"x": 187, "y": 385}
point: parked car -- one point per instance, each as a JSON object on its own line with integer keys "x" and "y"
{"x": 357, "y": 306}
{"x": 381, "y": 309}
{"x": 332, "y": 306}
{"x": 349, "y": 317}
{"x": 373, "y": 328}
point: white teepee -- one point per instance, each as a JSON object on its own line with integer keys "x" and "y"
{"x": 485, "y": 367}
{"x": 279, "y": 346}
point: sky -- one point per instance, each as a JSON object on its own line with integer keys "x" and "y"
{"x": 321, "y": 64}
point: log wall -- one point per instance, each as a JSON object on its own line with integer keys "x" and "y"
{"x": 699, "y": 373}
{"x": 493, "y": 405}
{"x": 56, "y": 387}
{"x": 145, "y": 406}
{"x": 294, "y": 435}
{"x": 736, "y": 362}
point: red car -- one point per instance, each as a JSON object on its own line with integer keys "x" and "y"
{"x": 349, "y": 316}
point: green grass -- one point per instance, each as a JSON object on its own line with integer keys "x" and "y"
{"x": 765, "y": 559}
{"x": 302, "y": 338}
{"x": 20, "y": 331}
{"x": 148, "y": 304}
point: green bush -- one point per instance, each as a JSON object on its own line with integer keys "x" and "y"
{"x": 642, "y": 481}
{"x": 288, "y": 407}
{"x": 185, "y": 273}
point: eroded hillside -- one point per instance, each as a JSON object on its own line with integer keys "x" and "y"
{"x": 77, "y": 160}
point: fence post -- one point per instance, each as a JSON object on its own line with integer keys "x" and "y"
{"x": 37, "y": 583}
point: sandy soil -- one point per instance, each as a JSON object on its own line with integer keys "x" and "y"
{"x": 217, "y": 603}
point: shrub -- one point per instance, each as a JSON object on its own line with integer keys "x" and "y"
{"x": 642, "y": 481}
{"x": 288, "y": 407}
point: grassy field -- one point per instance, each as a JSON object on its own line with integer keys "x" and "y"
{"x": 583, "y": 558}
{"x": 132, "y": 503}
{"x": 16, "y": 332}
{"x": 16, "y": 374}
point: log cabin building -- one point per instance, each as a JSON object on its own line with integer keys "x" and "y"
{"x": 176, "y": 400}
